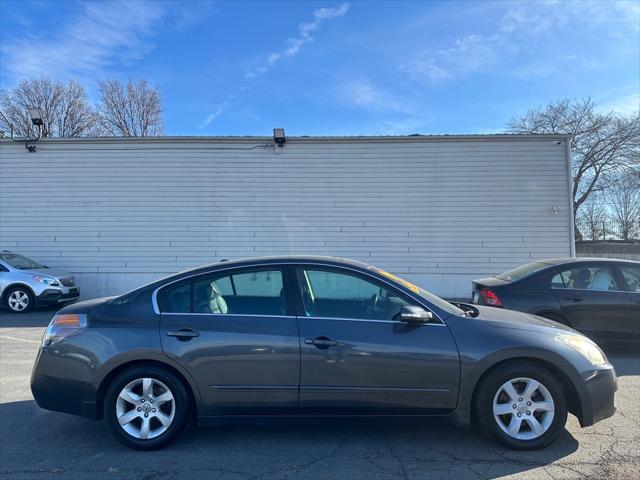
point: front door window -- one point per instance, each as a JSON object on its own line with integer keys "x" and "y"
{"x": 331, "y": 294}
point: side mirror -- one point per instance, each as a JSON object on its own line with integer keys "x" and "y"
{"x": 414, "y": 314}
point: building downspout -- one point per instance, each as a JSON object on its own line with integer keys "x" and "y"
{"x": 572, "y": 219}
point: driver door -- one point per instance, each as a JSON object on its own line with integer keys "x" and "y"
{"x": 357, "y": 357}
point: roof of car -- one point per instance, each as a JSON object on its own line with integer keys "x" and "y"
{"x": 268, "y": 260}
{"x": 285, "y": 259}
{"x": 563, "y": 260}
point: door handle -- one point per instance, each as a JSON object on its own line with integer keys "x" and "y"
{"x": 184, "y": 334}
{"x": 575, "y": 298}
{"x": 321, "y": 342}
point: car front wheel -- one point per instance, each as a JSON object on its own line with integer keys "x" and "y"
{"x": 522, "y": 406}
{"x": 146, "y": 408}
{"x": 19, "y": 300}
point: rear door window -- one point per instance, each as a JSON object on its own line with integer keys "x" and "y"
{"x": 593, "y": 277}
{"x": 255, "y": 292}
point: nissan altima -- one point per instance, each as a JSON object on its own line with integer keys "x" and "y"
{"x": 313, "y": 336}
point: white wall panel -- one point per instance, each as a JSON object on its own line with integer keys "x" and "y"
{"x": 441, "y": 210}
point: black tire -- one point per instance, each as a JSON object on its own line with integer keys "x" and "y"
{"x": 25, "y": 291}
{"x": 181, "y": 405}
{"x": 492, "y": 383}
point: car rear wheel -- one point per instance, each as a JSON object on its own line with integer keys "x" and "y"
{"x": 146, "y": 407}
{"x": 522, "y": 406}
{"x": 19, "y": 300}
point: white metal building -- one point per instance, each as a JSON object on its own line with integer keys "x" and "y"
{"x": 437, "y": 210}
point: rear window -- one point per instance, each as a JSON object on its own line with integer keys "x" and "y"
{"x": 523, "y": 271}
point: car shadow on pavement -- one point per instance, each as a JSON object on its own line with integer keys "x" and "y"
{"x": 624, "y": 357}
{"x": 35, "y": 440}
{"x": 39, "y": 317}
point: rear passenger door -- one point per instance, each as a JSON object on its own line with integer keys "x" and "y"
{"x": 236, "y": 333}
{"x": 631, "y": 278}
{"x": 357, "y": 357}
{"x": 592, "y": 299}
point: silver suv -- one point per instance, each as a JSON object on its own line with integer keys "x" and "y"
{"x": 25, "y": 283}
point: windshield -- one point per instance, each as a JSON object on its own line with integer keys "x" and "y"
{"x": 430, "y": 297}
{"x": 522, "y": 271}
{"x": 20, "y": 261}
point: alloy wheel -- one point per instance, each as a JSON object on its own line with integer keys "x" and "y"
{"x": 145, "y": 408}
{"x": 523, "y": 408}
{"x": 18, "y": 300}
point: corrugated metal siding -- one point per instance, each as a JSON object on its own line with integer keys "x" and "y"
{"x": 437, "y": 212}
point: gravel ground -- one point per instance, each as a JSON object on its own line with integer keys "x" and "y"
{"x": 38, "y": 444}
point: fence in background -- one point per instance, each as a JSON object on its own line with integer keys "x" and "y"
{"x": 609, "y": 249}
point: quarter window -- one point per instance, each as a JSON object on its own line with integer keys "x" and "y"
{"x": 258, "y": 292}
{"x": 331, "y": 294}
{"x": 176, "y": 299}
{"x": 632, "y": 276}
{"x": 598, "y": 278}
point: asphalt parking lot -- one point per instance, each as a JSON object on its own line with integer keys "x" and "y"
{"x": 43, "y": 445}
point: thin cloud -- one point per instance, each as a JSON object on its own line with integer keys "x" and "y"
{"x": 295, "y": 44}
{"x": 100, "y": 36}
{"x": 515, "y": 32}
{"x": 367, "y": 95}
{"x": 208, "y": 120}
{"x": 467, "y": 55}
{"x": 625, "y": 105}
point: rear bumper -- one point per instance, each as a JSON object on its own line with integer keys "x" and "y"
{"x": 54, "y": 387}
{"x": 598, "y": 401}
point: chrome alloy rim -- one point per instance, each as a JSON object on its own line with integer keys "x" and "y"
{"x": 523, "y": 408}
{"x": 145, "y": 408}
{"x": 18, "y": 300}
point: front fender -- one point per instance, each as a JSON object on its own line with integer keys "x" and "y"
{"x": 483, "y": 346}
{"x": 473, "y": 371}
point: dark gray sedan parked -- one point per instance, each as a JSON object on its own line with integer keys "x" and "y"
{"x": 599, "y": 297}
{"x": 313, "y": 336}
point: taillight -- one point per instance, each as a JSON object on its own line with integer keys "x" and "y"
{"x": 489, "y": 297}
{"x": 62, "y": 326}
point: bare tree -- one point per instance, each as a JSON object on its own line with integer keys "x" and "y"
{"x": 133, "y": 110}
{"x": 601, "y": 144}
{"x": 624, "y": 201}
{"x": 592, "y": 218}
{"x": 64, "y": 107}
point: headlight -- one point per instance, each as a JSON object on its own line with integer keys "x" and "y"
{"x": 62, "y": 326}
{"x": 46, "y": 280}
{"x": 584, "y": 347}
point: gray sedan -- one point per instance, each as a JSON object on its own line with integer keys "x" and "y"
{"x": 318, "y": 337}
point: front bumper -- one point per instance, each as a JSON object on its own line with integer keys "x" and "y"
{"x": 57, "y": 295}
{"x": 598, "y": 399}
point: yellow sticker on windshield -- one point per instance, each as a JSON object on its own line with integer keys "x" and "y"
{"x": 399, "y": 280}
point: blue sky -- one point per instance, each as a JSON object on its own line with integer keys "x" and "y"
{"x": 334, "y": 68}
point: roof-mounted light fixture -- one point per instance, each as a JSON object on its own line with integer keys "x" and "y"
{"x": 278, "y": 137}
{"x": 36, "y": 119}
{"x": 36, "y": 116}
